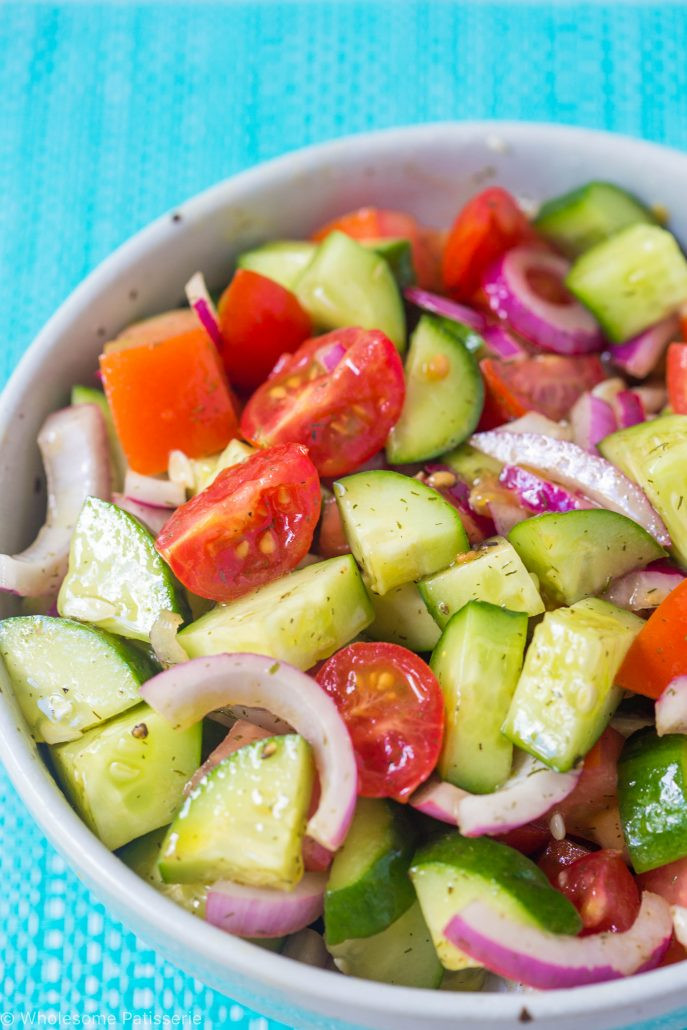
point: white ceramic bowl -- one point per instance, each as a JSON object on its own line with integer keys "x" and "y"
{"x": 429, "y": 170}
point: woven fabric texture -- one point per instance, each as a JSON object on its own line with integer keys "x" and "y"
{"x": 111, "y": 114}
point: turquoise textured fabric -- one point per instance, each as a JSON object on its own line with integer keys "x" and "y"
{"x": 112, "y": 114}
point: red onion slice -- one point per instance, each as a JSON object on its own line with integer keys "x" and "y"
{"x": 186, "y": 693}
{"x": 330, "y": 355}
{"x": 629, "y": 409}
{"x": 263, "y": 911}
{"x": 562, "y": 324}
{"x": 640, "y": 355}
{"x": 585, "y": 473}
{"x": 539, "y": 495}
{"x": 503, "y": 344}
{"x": 679, "y": 914}
{"x": 671, "y": 708}
{"x": 641, "y": 589}
{"x": 591, "y": 419}
{"x": 74, "y": 448}
{"x": 546, "y": 960}
{"x": 163, "y": 638}
{"x": 158, "y": 493}
{"x": 205, "y": 311}
{"x": 439, "y": 305}
{"x": 152, "y": 517}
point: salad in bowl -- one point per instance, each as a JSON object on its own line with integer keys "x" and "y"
{"x": 356, "y": 623}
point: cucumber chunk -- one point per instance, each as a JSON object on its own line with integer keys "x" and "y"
{"x": 493, "y": 572}
{"x": 346, "y": 284}
{"x": 444, "y": 395}
{"x": 301, "y": 618}
{"x": 398, "y": 528}
{"x": 652, "y": 796}
{"x": 368, "y": 886}
{"x": 631, "y": 280}
{"x": 245, "y": 820}
{"x": 578, "y": 220}
{"x": 402, "y": 954}
{"x": 453, "y": 871}
{"x": 401, "y": 617}
{"x": 88, "y": 395}
{"x": 282, "y": 260}
{"x": 654, "y": 455}
{"x": 126, "y": 777}
{"x": 141, "y": 856}
{"x": 471, "y": 465}
{"x": 116, "y": 579}
{"x": 477, "y": 663}
{"x": 398, "y": 254}
{"x": 68, "y": 676}
{"x": 565, "y": 695}
{"x": 602, "y": 545}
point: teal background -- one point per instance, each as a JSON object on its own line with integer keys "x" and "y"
{"x": 111, "y": 114}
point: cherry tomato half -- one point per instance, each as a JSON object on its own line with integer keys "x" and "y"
{"x": 603, "y": 890}
{"x": 528, "y": 839}
{"x": 548, "y": 383}
{"x": 596, "y": 788}
{"x": 331, "y": 539}
{"x": 339, "y": 394}
{"x": 490, "y": 224}
{"x": 260, "y": 320}
{"x": 676, "y": 377}
{"x": 254, "y": 523}
{"x": 393, "y": 708}
{"x": 558, "y": 856}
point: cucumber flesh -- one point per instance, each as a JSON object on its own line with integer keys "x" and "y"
{"x": 68, "y": 676}
{"x": 141, "y": 856}
{"x": 402, "y": 954}
{"x": 566, "y": 694}
{"x": 300, "y": 618}
{"x": 652, "y": 796}
{"x": 578, "y": 220}
{"x": 398, "y": 528}
{"x": 654, "y": 455}
{"x": 632, "y": 280}
{"x": 126, "y": 777}
{"x": 116, "y": 579}
{"x": 398, "y": 254}
{"x": 245, "y": 820}
{"x": 347, "y": 284}
{"x": 401, "y": 617}
{"x": 444, "y": 395}
{"x": 493, "y": 572}
{"x": 453, "y": 871}
{"x": 88, "y": 395}
{"x": 283, "y": 261}
{"x": 471, "y": 465}
{"x": 477, "y": 663}
{"x": 368, "y": 886}
{"x": 604, "y": 544}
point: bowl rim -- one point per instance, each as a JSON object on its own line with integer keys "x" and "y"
{"x": 87, "y": 856}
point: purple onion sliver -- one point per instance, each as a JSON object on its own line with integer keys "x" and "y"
{"x": 503, "y": 344}
{"x": 208, "y": 321}
{"x": 539, "y": 495}
{"x": 329, "y": 357}
{"x": 438, "y": 305}
{"x": 629, "y": 408}
{"x": 591, "y": 419}
{"x": 641, "y": 354}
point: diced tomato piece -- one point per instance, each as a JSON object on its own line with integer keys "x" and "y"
{"x": 596, "y": 788}
{"x": 393, "y": 708}
{"x": 683, "y": 322}
{"x": 559, "y": 855}
{"x": 260, "y": 320}
{"x": 659, "y": 651}
{"x": 488, "y": 226}
{"x": 339, "y": 394}
{"x": 528, "y": 839}
{"x": 670, "y": 881}
{"x": 675, "y": 953}
{"x": 332, "y": 538}
{"x": 169, "y": 395}
{"x": 603, "y": 890}
{"x": 253, "y": 524}
{"x": 676, "y": 377}
{"x": 548, "y": 383}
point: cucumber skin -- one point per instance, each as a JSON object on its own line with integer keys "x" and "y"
{"x": 558, "y": 218}
{"x": 652, "y": 770}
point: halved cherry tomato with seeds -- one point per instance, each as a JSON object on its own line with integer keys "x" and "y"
{"x": 528, "y": 839}
{"x": 339, "y": 394}
{"x": 331, "y": 539}
{"x": 393, "y": 708}
{"x": 558, "y": 856}
{"x": 548, "y": 383}
{"x": 253, "y": 524}
{"x": 603, "y": 890}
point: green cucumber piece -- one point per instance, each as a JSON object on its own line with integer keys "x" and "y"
{"x": 141, "y": 856}
{"x": 604, "y": 545}
{"x": 68, "y": 676}
{"x": 631, "y": 280}
{"x": 126, "y": 777}
{"x": 463, "y": 979}
{"x": 402, "y": 954}
{"x": 477, "y": 663}
{"x": 235, "y": 453}
{"x": 654, "y": 455}
{"x": 444, "y": 395}
{"x": 116, "y": 579}
{"x": 300, "y": 618}
{"x": 452, "y": 871}
{"x": 368, "y": 886}
{"x": 348, "y": 284}
{"x": 566, "y": 694}
{"x": 282, "y": 260}
{"x": 88, "y": 395}
{"x": 398, "y": 528}
{"x": 471, "y": 465}
{"x": 493, "y": 572}
{"x": 398, "y": 254}
{"x": 578, "y": 220}
{"x": 401, "y": 617}
{"x": 652, "y": 797}
{"x": 245, "y": 820}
